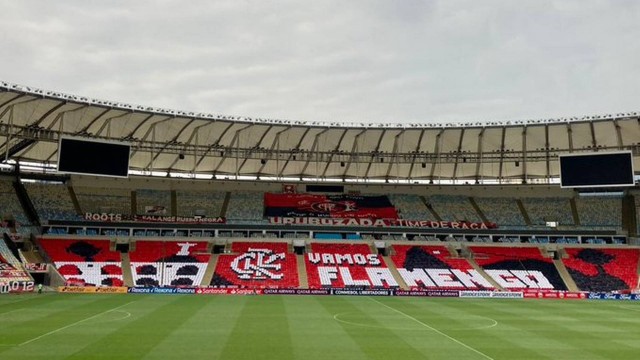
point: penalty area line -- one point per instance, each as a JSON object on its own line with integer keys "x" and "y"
{"x": 434, "y": 329}
{"x": 74, "y": 324}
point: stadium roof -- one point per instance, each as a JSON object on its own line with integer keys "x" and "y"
{"x": 186, "y": 143}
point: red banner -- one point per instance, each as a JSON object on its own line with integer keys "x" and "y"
{"x": 381, "y": 223}
{"x": 16, "y": 287}
{"x": 10, "y": 273}
{"x": 109, "y": 217}
{"x": 36, "y": 267}
{"x": 329, "y": 206}
{"x": 179, "y": 219}
{"x": 532, "y": 294}
{"x": 227, "y": 291}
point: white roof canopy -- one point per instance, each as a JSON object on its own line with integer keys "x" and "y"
{"x": 31, "y": 122}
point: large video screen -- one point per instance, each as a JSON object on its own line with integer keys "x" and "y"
{"x": 596, "y": 170}
{"x": 81, "y": 156}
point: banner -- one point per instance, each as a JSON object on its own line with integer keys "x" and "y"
{"x": 161, "y": 290}
{"x": 228, "y": 291}
{"x": 93, "y": 289}
{"x": 296, "y": 292}
{"x": 492, "y": 294}
{"x": 355, "y": 292}
{"x": 179, "y": 219}
{"x": 546, "y": 294}
{"x": 427, "y": 293}
{"x": 13, "y": 274}
{"x": 109, "y": 217}
{"x": 13, "y": 287}
{"x": 463, "y": 225}
{"x": 9, "y": 273}
{"x": 36, "y": 267}
{"x": 329, "y": 206}
{"x": 608, "y": 296}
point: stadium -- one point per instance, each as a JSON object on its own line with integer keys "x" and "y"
{"x": 164, "y": 233}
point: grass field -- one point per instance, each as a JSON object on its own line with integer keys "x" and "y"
{"x": 70, "y": 326}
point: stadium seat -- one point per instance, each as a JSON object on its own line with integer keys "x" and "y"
{"x": 257, "y": 265}
{"x": 433, "y": 267}
{"x": 518, "y": 268}
{"x": 87, "y": 261}
{"x": 346, "y": 265}
{"x": 603, "y": 269}
{"x": 169, "y": 263}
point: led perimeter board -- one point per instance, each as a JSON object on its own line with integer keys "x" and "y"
{"x": 603, "y": 169}
{"x": 91, "y": 157}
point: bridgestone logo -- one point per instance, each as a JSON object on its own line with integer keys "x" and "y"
{"x": 492, "y": 294}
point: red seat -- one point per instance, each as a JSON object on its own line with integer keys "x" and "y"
{"x": 346, "y": 265}
{"x": 257, "y": 265}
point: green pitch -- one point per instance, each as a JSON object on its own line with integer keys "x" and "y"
{"x": 69, "y": 326}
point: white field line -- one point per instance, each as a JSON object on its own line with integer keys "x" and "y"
{"x": 337, "y": 318}
{"x": 434, "y": 330}
{"x": 632, "y": 308}
{"x": 27, "y": 299}
{"x": 11, "y": 311}
{"x": 495, "y": 323}
{"x": 75, "y": 323}
{"x": 126, "y": 315}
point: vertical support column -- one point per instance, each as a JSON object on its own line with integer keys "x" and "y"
{"x": 436, "y": 152}
{"x": 524, "y": 154}
{"x": 547, "y": 155}
{"x": 459, "y": 150}
{"x": 504, "y": 131}
{"x": 480, "y": 156}
{"x": 9, "y": 136}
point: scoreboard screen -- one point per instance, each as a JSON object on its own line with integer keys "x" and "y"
{"x": 90, "y": 157}
{"x": 602, "y": 169}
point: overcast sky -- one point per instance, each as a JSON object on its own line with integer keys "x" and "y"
{"x": 346, "y": 60}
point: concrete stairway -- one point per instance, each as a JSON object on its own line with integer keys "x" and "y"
{"x": 479, "y": 211}
{"x": 394, "y": 271}
{"x": 127, "y": 276}
{"x": 225, "y": 204}
{"x": 211, "y": 269}
{"x": 484, "y": 274}
{"x": 55, "y": 279}
{"x": 430, "y": 208}
{"x": 303, "y": 280}
{"x": 574, "y": 211}
{"x": 33, "y": 256}
{"x": 564, "y": 274}
{"x": 523, "y": 212}
{"x": 453, "y": 250}
{"x": 638, "y": 284}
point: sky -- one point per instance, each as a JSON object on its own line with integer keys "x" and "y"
{"x": 375, "y": 61}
